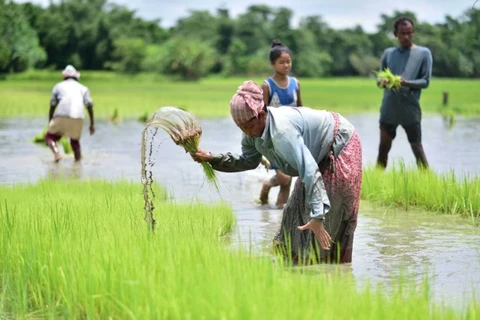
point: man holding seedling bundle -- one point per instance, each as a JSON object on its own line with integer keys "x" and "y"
{"x": 400, "y": 104}
{"x": 66, "y": 115}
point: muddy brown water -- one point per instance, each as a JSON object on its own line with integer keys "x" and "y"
{"x": 443, "y": 249}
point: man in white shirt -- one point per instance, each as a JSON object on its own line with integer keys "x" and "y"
{"x": 69, "y": 98}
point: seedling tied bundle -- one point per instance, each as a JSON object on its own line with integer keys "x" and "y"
{"x": 185, "y": 130}
{"x": 40, "y": 139}
{"x": 393, "y": 81}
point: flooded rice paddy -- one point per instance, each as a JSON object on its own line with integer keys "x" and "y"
{"x": 388, "y": 242}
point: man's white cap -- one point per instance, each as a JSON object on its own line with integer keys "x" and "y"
{"x": 70, "y": 71}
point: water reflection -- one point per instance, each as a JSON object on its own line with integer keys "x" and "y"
{"x": 65, "y": 171}
{"x": 387, "y": 242}
{"x": 444, "y": 249}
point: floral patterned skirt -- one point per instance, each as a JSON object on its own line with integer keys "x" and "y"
{"x": 343, "y": 187}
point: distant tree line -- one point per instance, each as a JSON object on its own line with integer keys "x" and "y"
{"x": 98, "y": 35}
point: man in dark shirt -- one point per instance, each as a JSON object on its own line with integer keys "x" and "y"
{"x": 402, "y": 107}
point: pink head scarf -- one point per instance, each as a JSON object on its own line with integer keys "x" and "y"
{"x": 246, "y": 103}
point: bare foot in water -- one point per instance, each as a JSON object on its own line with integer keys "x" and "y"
{"x": 57, "y": 157}
{"x": 261, "y": 202}
{"x": 280, "y": 205}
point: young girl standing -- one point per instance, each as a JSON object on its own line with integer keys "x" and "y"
{"x": 279, "y": 90}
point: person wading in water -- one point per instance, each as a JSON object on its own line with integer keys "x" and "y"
{"x": 279, "y": 90}
{"x": 69, "y": 98}
{"x": 402, "y": 107}
{"x": 324, "y": 150}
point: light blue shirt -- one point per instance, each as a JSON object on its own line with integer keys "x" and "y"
{"x": 296, "y": 140}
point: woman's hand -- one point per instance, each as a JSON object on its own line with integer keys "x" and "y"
{"x": 201, "y": 156}
{"x": 320, "y": 233}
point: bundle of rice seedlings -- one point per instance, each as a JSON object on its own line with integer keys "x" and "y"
{"x": 393, "y": 80}
{"x": 40, "y": 138}
{"x": 185, "y": 130}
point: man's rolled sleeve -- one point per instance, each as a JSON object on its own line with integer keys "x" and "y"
{"x": 54, "y": 97}
{"x": 87, "y": 99}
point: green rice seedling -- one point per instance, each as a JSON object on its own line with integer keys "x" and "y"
{"x": 40, "y": 139}
{"x": 393, "y": 80}
{"x": 79, "y": 250}
{"x": 143, "y": 117}
{"x": 185, "y": 130}
{"x": 24, "y": 94}
{"x": 405, "y": 186}
{"x": 115, "y": 117}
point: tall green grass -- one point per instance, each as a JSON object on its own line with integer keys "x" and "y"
{"x": 28, "y": 94}
{"x": 80, "y": 250}
{"x": 407, "y": 187}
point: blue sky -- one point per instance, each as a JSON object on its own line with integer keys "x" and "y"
{"x": 338, "y": 14}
